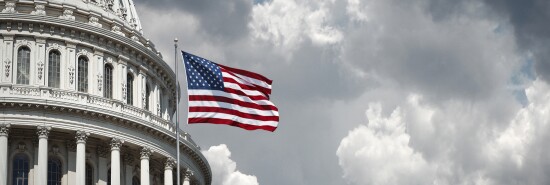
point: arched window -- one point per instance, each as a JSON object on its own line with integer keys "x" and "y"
{"x": 20, "y": 169}
{"x": 129, "y": 89}
{"x": 108, "y": 74}
{"x": 54, "y": 171}
{"x": 135, "y": 181}
{"x": 89, "y": 174}
{"x": 54, "y": 75}
{"x": 82, "y": 74}
{"x": 23, "y": 65}
{"x": 147, "y": 94}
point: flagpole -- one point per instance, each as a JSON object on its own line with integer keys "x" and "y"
{"x": 177, "y": 111}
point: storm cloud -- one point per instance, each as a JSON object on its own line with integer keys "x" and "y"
{"x": 375, "y": 91}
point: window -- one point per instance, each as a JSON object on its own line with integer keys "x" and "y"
{"x": 161, "y": 95}
{"x": 54, "y": 171}
{"x": 130, "y": 89}
{"x": 147, "y": 94}
{"x": 54, "y": 69}
{"x": 82, "y": 74}
{"x": 89, "y": 175}
{"x": 108, "y": 74}
{"x": 20, "y": 170}
{"x": 135, "y": 181}
{"x": 23, "y": 65}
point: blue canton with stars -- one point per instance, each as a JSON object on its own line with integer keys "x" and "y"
{"x": 202, "y": 73}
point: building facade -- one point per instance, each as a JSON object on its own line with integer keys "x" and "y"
{"x": 86, "y": 99}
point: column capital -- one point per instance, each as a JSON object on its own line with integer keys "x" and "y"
{"x": 145, "y": 152}
{"x": 5, "y": 129}
{"x": 169, "y": 164}
{"x": 43, "y": 132}
{"x": 81, "y": 136}
{"x": 116, "y": 143}
{"x": 188, "y": 174}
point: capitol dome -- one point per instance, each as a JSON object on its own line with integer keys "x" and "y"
{"x": 86, "y": 99}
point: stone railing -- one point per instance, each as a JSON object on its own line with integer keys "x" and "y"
{"x": 84, "y": 101}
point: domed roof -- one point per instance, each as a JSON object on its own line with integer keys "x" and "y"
{"x": 124, "y": 10}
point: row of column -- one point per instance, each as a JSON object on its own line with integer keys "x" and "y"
{"x": 81, "y": 137}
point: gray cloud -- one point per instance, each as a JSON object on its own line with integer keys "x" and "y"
{"x": 530, "y": 22}
{"x": 331, "y": 59}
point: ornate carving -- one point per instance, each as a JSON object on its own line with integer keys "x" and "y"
{"x": 99, "y": 81}
{"x": 67, "y": 14}
{"x": 54, "y": 46}
{"x": 145, "y": 152}
{"x": 21, "y": 147}
{"x": 116, "y": 143}
{"x": 94, "y": 21}
{"x": 81, "y": 136}
{"x": 133, "y": 23}
{"x": 71, "y": 145}
{"x": 170, "y": 163}
{"x": 40, "y": 9}
{"x": 71, "y": 74}
{"x": 84, "y": 52}
{"x": 116, "y": 29}
{"x": 23, "y": 42}
{"x": 43, "y": 131}
{"x": 7, "y": 66}
{"x": 40, "y": 69}
{"x": 5, "y": 129}
{"x": 55, "y": 150}
{"x": 158, "y": 109}
{"x": 188, "y": 174}
{"x": 102, "y": 151}
{"x": 10, "y": 8}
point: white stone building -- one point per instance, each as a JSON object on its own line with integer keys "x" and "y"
{"x": 86, "y": 99}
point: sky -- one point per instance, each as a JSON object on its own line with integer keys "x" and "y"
{"x": 375, "y": 91}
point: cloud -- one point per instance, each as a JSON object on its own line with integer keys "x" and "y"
{"x": 453, "y": 143}
{"x": 379, "y": 153}
{"x": 224, "y": 170}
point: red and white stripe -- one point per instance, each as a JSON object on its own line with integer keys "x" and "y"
{"x": 243, "y": 103}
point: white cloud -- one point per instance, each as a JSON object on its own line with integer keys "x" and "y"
{"x": 453, "y": 143}
{"x": 379, "y": 153}
{"x": 287, "y": 23}
{"x": 224, "y": 170}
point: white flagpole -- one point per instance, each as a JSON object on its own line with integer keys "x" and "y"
{"x": 177, "y": 111}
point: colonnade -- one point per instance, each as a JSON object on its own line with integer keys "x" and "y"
{"x": 81, "y": 137}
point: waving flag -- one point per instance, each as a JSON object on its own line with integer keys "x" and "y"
{"x": 223, "y": 95}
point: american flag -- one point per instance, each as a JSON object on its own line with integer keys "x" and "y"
{"x": 223, "y": 95}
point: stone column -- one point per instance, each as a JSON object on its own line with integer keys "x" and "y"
{"x": 43, "y": 132}
{"x": 81, "y": 137}
{"x": 102, "y": 152}
{"x": 116, "y": 143}
{"x": 187, "y": 177}
{"x": 168, "y": 167}
{"x": 145, "y": 153}
{"x": 4, "y": 131}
